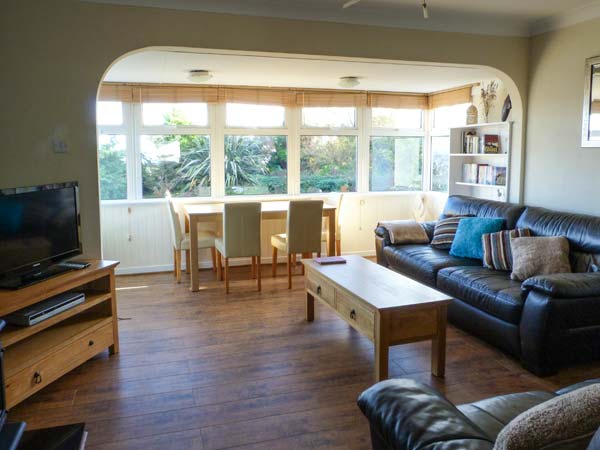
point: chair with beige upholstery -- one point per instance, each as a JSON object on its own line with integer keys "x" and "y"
{"x": 181, "y": 240}
{"x": 241, "y": 238}
{"x": 303, "y": 234}
{"x": 334, "y": 199}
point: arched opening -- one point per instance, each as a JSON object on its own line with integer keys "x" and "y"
{"x": 392, "y": 162}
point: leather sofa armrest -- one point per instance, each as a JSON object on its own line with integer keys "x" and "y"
{"x": 383, "y": 234}
{"x": 429, "y": 227}
{"x": 565, "y": 285}
{"x": 404, "y": 414}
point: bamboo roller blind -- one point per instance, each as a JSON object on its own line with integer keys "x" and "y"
{"x": 150, "y": 93}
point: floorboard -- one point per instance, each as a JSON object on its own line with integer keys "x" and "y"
{"x": 206, "y": 371}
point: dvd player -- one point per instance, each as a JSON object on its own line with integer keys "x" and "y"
{"x": 45, "y": 309}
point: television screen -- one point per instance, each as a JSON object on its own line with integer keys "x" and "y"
{"x": 38, "y": 226}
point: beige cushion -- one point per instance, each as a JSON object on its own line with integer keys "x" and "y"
{"x": 206, "y": 239}
{"x": 405, "y": 232}
{"x": 565, "y": 422}
{"x": 279, "y": 241}
{"x": 539, "y": 256}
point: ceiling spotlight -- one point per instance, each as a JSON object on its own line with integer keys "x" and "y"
{"x": 349, "y": 82}
{"x": 199, "y": 76}
{"x": 425, "y": 10}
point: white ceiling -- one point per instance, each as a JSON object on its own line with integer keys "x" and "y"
{"x": 499, "y": 17}
{"x": 262, "y": 70}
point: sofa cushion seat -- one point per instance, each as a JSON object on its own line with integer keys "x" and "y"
{"x": 488, "y": 290}
{"x": 422, "y": 262}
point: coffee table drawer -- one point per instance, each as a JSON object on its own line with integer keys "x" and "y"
{"x": 355, "y": 314}
{"x": 321, "y": 288}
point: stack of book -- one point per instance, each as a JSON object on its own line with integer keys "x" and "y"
{"x": 484, "y": 174}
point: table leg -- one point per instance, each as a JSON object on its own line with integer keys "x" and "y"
{"x": 194, "y": 254}
{"x": 310, "y": 307}
{"x": 331, "y": 225}
{"x": 438, "y": 344}
{"x": 382, "y": 347}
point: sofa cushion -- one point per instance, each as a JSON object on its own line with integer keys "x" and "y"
{"x": 445, "y": 232}
{"x": 467, "y": 243}
{"x": 488, "y": 290}
{"x": 459, "y": 205}
{"x": 542, "y": 255}
{"x": 422, "y": 262}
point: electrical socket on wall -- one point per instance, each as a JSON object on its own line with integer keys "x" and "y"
{"x": 59, "y": 146}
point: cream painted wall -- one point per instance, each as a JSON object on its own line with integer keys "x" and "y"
{"x": 54, "y": 53}
{"x": 560, "y": 173}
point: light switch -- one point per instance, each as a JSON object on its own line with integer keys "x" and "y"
{"x": 59, "y": 146}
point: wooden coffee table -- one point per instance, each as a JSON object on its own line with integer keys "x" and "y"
{"x": 388, "y": 308}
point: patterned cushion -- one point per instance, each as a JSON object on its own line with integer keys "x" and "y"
{"x": 444, "y": 232}
{"x": 496, "y": 248}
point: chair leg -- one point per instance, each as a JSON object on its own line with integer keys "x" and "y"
{"x": 213, "y": 254}
{"x": 274, "y": 262}
{"x": 305, "y": 256}
{"x": 318, "y": 254}
{"x": 289, "y": 270}
{"x": 253, "y": 265}
{"x": 188, "y": 261}
{"x": 294, "y": 260}
{"x": 219, "y": 268}
{"x": 227, "y": 275}
{"x": 175, "y": 263}
{"x": 338, "y": 247}
{"x": 178, "y": 265}
{"x": 258, "y": 283}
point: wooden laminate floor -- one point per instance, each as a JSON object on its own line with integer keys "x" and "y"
{"x": 205, "y": 371}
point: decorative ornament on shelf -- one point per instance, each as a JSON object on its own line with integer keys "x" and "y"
{"x": 488, "y": 97}
{"x": 472, "y": 115}
{"x": 506, "y": 108}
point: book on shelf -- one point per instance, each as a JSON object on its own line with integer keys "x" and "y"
{"x": 470, "y": 142}
{"x": 484, "y": 174}
{"x": 469, "y": 173}
{"x": 491, "y": 143}
{"x": 482, "y": 171}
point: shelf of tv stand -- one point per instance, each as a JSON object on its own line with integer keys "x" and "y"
{"x": 37, "y": 355}
{"x": 13, "y": 333}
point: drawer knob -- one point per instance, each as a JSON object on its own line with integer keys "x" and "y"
{"x": 91, "y": 343}
{"x": 37, "y": 378}
{"x": 319, "y": 290}
{"x": 353, "y": 314}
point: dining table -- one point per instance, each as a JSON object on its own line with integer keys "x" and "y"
{"x": 213, "y": 212}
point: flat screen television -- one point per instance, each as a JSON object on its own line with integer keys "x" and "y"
{"x": 39, "y": 227}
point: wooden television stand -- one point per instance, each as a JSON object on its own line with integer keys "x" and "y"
{"x": 37, "y": 355}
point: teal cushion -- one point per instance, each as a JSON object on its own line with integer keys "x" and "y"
{"x": 467, "y": 242}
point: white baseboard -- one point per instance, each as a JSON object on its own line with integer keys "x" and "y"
{"x": 206, "y": 264}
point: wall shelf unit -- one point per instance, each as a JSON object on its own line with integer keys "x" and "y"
{"x": 475, "y": 173}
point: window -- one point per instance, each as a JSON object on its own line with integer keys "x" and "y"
{"x": 396, "y": 163}
{"x": 254, "y": 116}
{"x": 113, "y": 166}
{"x": 329, "y": 117}
{"x": 255, "y": 165}
{"x": 328, "y": 163}
{"x": 178, "y": 163}
{"x": 394, "y": 118}
{"x": 440, "y": 149}
{"x": 450, "y": 116}
{"x": 109, "y": 113}
{"x": 175, "y": 114}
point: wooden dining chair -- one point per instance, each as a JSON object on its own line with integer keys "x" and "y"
{"x": 181, "y": 240}
{"x": 335, "y": 198}
{"x": 302, "y": 236}
{"x": 241, "y": 238}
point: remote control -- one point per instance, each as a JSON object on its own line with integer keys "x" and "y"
{"x": 74, "y": 265}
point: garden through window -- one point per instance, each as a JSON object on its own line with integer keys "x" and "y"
{"x": 396, "y": 163}
{"x": 112, "y": 162}
{"x": 328, "y": 164}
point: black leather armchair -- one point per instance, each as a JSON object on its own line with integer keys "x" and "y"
{"x": 406, "y": 415}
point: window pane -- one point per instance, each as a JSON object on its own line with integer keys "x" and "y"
{"x": 255, "y": 165}
{"x": 254, "y": 116}
{"x": 113, "y": 166}
{"x": 396, "y": 163}
{"x": 396, "y": 118}
{"x": 450, "y": 116}
{"x": 178, "y": 163}
{"x": 109, "y": 113}
{"x": 440, "y": 149}
{"x": 327, "y": 163}
{"x": 175, "y": 114}
{"x": 329, "y": 117}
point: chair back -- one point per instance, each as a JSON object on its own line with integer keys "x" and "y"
{"x": 176, "y": 233}
{"x": 241, "y": 229}
{"x": 304, "y": 226}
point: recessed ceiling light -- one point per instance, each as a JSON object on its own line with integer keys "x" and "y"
{"x": 349, "y": 82}
{"x": 199, "y": 75}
